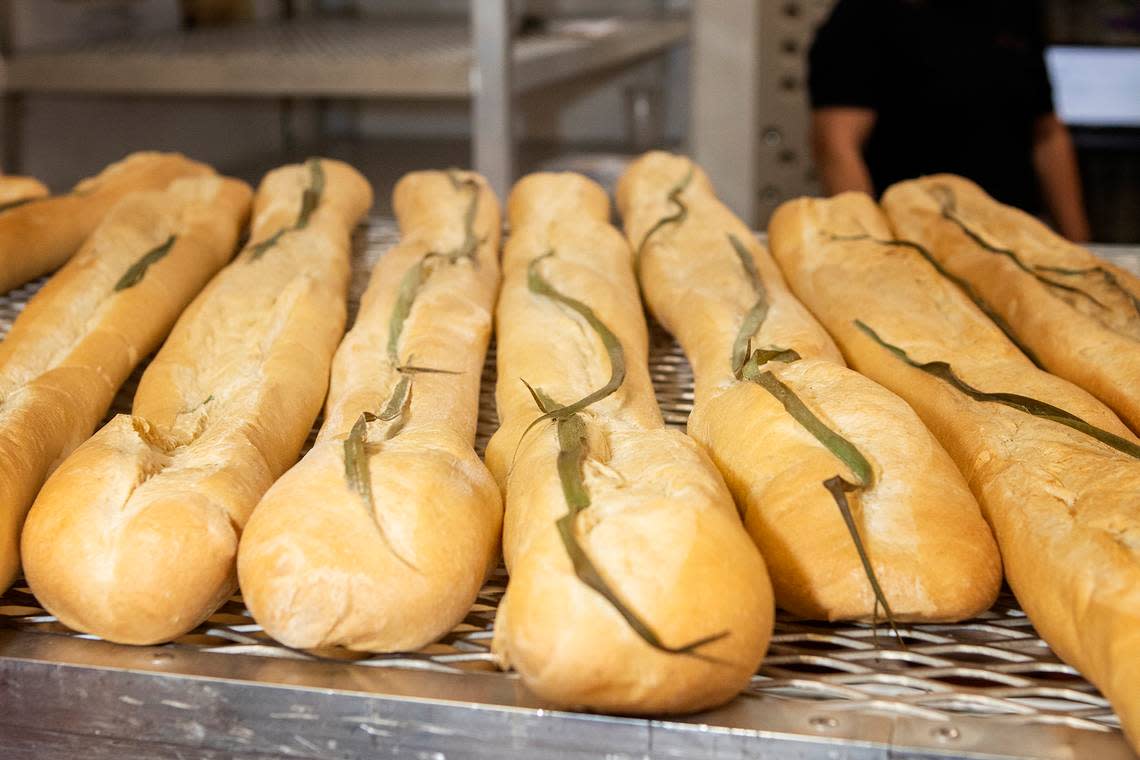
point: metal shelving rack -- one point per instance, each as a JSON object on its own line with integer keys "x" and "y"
{"x": 749, "y": 117}
{"x": 987, "y": 688}
{"x": 319, "y": 57}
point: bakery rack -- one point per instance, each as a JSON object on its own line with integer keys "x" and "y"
{"x": 329, "y": 57}
{"x": 985, "y": 688}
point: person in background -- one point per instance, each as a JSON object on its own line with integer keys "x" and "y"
{"x": 903, "y": 88}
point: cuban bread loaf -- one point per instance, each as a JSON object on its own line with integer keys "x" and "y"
{"x": 83, "y": 333}
{"x": 633, "y": 586}
{"x": 16, "y": 191}
{"x": 1077, "y": 314}
{"x": 1056, "y": 473}
{"x": 380, "y": 538}
{"x": 40, "y": 235}
{"x": 709, "y": 281}
{"x": 134, "y": 538}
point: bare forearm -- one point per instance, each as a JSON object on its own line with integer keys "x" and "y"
{"x": 1055, "y": 162}
{"x": 843, "y": 170}
{"x": 838, "y": 135}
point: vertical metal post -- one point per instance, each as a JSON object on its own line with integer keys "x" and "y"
{"x": 12, "y": 109}
{"x": 725, "y": 90}
{"x": 287, "y": 106}
{"x": 12, "y": 126}
{"x": 492, "y": 141}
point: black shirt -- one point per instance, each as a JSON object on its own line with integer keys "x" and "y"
{"x": 956, "y": 86}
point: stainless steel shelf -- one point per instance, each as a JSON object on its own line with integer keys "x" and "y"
{"x": 984, "y": 688}
{"x": 318, "y": 57}
{"x": 332, "y": 58}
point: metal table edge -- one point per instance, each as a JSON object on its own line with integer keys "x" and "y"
{"x": 150, "y": 691}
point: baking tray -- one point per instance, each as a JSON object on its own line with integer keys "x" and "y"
{"x": 985, "y": 688}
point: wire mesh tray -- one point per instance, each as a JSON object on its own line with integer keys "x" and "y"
{"x": 988, "y": 687}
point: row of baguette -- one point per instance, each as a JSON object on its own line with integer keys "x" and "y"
{"x": 634, "y": 585}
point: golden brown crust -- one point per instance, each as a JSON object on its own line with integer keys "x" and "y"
{"x": 148, "y": 551}
{"x": 933, "y": 555}
{"x": 79, "y": 338}
{"x": 1062, "y": 505}
{"x": 319, "y": 564}
{"x": 1083, "y": 327}
{"x": 693, "y": 279}
{"x": 36, "y": 238}
{"x": 660, "y": 527}
{"x": 14, "y": 190}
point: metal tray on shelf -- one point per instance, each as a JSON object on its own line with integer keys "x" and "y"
{"x": 985, "y": 688}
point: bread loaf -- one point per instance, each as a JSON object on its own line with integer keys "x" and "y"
{"x": 16, "y": 191}
{"x": 84, "y": 332}
{"x": 1056, "y": 473}
{"x": 1076, "y": 314}
{"x": 134, "y": 538}
{"x": 710, "y": 283}
{"x": 633, "y": 587}
{"x": 39, "y": 236}
{"x": 381, "y": 537}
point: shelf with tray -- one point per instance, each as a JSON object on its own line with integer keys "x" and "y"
{"x": 331, "y": 57}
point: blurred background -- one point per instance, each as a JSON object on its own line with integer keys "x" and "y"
{"x": 395, "y": 85}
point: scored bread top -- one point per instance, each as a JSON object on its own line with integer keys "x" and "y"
{"x": 1063, "y": 503}
{"x": 910, "y": 503}
{"x": 948, "y": 327}
{"x": 37, "y": 237}
{"x": 83, "y": 333}
{"x": 1076, "y": 314}
{"x": 565, "y": 215}
{"x": 82, "y": 302}
{"x": 706, "y": 275}
{"x": 380, "y": 538}
{"x": 448, "y": 310}
{"x": 16, "y": 190}
{"x": 222, "y": 410}
{"x": 657, "y": 523}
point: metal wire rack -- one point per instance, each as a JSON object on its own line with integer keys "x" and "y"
{"x": 994, "y": 667}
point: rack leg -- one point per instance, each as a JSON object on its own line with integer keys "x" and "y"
{"x": 11, "y": 103}
{"x": 725, "y": 98}
{"x": 12, "y": 133}
{"x": 491, "y": 124}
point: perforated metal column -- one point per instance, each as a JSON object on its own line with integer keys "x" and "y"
{"x": 750, "y": 108}
{"x": 491, "y": 123}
